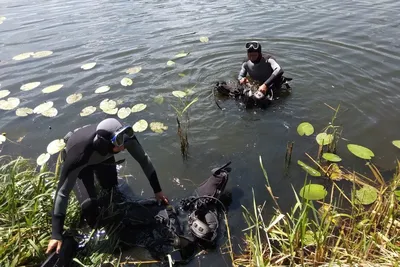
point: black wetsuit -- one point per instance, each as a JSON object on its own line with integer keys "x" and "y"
{"x": 266, "y": 71}
{"x": 87, "y": 155}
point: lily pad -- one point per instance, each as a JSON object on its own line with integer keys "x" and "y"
{"x": 55, "y": 146}
{"x": 23, "y": 56}
{"x": 126, "y": 82}
{"x": 2, "y": 139}
{"x": 41, "y": 54}
{"x": 133, "y": 70}
{"x": 313, "y": 192}
{"x": 9, "y": 104}
{"x": 2, "y": 18}
{"x": 189, "y": 92}
{"x": 50, "y": 113}
{"x": 87, "y": 111}
{"x": 181, "y": 74}
{"x": 396, "y": 193}
{"x": 159, "y": 99}
{"x": 158, "y": 127}
{"x": 360, "y": 151}
{"x": 324, "y": 139}
{"x": 396, "y": 143}
{"x": 42, "y": 159}
{"x": 179, "y": 94}
{"x": 140, "y": 126}
{"x": 43, "y": 107}
{"x": 309, "y": 239}
{"x": 23, "y": 112}
{"x": 170, "y": 63}
{"x": 74, "y": 98}
{"x": 88, "y": 66}
{"x": 29, "y": 86}
{"x": 138, "y": 107}
{"x": 305, "y": 128}
{"x": 331, "y": 157}
{"x": 204, "y": 39}
{"x": 4, "y": 93}
{"x": 102, "y": 89}
{"x": 311, "y": 171}
{"x": 112, "y": 111}
{"x": 181, "y": 54}
{"x": 366, "y": 195}
{"x": 107, "y": 104}
{"x": 124, "y": 112}
{"x": 52, "y": 88}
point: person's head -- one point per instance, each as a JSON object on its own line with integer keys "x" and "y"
{"x": 111, "y": 136}
{"x": 254, "y": 51}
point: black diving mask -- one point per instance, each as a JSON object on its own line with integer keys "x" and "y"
{"x": 118, "y": 137}
{"x": 252, "y": 45}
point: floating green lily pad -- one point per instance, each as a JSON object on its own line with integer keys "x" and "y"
{"x": 133, "y": 70}
{"x": 112, "y": 111}
{"x": 29, "y": 86}
{"x": 23, "y": 56}
{"x": 311, "y": 171}
{"x": 2, "y": 139}
{"x": 9, "y": 104}
{"x": 179, "y": 94}
{"x": 189, "y": 92}
{"x": 88, "y": 66}
{"x": 140, "y": 126}
{"x": 159, "y": 99}
{"x": 87, "y": 111}
{"x": 52, "y": 88}
{"x": 181, "y": 54}
{"x": 126, "y": 82}
{"x": 181, "y": 74}
{"x": 50, "y": 113}
{"x": 158, "y": 127}
{"x": 170, "y": 63}
{"x": 313, "y": 192}
{"x": 55, "y": 146}
{"x": 74, "y": 98}
{"x": 366, "y": 195}
{"x": 23, "y": 112}
{"x": 138, "y": 107}
{"x": 4, "y": 93}
{"x": 331, "y": 157}
{"x": 43, "y": 107}
{"x": 107, "y": 104}
{"x": 305, "y": 128}
{"x": 41, "y": 54}
{"x": 204, "y": 39}
{"x": 324, "y": 139}
{"x": 360, "y": 151}
{"x": 42, "y": 159}
{"x": 124, "y": 112}
{"x": 102, "y": 89}
{"x": 396, "y": 193}
{"x": 396, "y": 143}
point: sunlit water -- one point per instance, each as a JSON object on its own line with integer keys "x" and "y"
{"x": 336, "y": 53}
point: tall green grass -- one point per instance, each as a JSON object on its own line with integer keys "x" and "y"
{"x": 26, "y": 200}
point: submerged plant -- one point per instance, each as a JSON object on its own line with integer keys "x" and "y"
{"x": 182, "y": 117}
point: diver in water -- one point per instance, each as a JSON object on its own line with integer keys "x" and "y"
{"x": 90, "y": 151}
{"x": 262, "y": 70}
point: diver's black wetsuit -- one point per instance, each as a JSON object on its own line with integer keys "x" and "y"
{"x": 86, "y": 155}
{"x": 266, "y": 71}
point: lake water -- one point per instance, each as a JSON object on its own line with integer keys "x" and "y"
{"x": 337, "y": 53}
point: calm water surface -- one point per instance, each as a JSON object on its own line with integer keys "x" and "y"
{"x": 336, "y": 53}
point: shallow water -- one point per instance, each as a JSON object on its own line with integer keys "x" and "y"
{"x": 336, "y": 53}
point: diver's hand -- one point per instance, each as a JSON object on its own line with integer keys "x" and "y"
{"x": 54, "y": 244}
{"x": 263, "y": 88}
{"x": 161, "y": 197}
{"x": 243, "y": 80}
